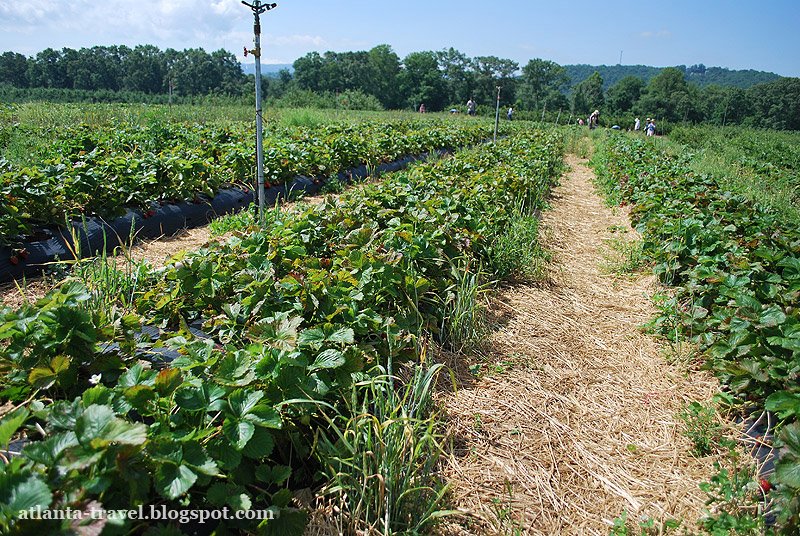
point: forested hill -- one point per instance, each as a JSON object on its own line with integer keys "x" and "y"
{"x": 267, "y": 69}
{"x": 699, "y": 74}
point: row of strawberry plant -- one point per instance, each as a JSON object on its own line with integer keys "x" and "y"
{"x": 762, "y": 165}
{"x": 94, "y": 171}
{"x": 765, "y": 152}
{"x": 297, "y": 311}
{"x": 736, "y": 269}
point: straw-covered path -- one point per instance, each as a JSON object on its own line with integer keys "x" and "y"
{"x": 573, "y": 419}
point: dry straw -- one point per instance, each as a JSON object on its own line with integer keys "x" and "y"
{"x": 574, "y": 419}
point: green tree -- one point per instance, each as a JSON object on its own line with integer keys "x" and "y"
{"x": 490, "y": 72}
{"x": 459, "y": 78}
{"x": 95, "y": 68}
{"x": 231, "y": 78}
{"x": 308, "y": 71}
{"x": 723, "y": 105}
{"x": 344, "y": 71}
{"x": 385, "y": 69}
{"x": 13, "y": 67}
{"x": 776, "y": 104}
{"x": 46, "y": 70}
{"x": 713, "y": 103}
{"x": 588, "y": 95}
{"x": 192, "y": 71}
{"x": 145, "y": 69}
{"x": 201, "y": 70}
{"x": 422, "y": 82}
{"x": 541, "y": 84}
{"x": 338, "y": 71}
{"x": 622, "y": 96}
{"x": 666, "y": 96}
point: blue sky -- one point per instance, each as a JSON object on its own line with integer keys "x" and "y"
{"x": 735, "y": 34}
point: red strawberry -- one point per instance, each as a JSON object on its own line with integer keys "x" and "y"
{"x": 765, "y": 485}
{"x": 24, "y": 254}
{"x": 14, "y": 260}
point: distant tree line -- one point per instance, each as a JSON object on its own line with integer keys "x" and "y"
{"x": 144, "y": 69}
{"x": 699, "y": 74}
{"x": 447, "y": 79}
{"x": 380, "y": 79}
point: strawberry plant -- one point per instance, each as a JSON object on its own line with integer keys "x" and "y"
{"x": 99, "y": 171}
{"x": 734, "y": 265}
{"x": 300, "y": 318}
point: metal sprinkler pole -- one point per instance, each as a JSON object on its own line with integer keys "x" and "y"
{"x": 258, "y": 8}
{"x": 497, "y": 115}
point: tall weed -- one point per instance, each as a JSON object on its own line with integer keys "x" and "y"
{"x": 380, "y": 453}
{"x": 623, "y": 256}
{"x": 516, "y": 253}
{"x": 578, "y": 142}
{"x": 463, "y": 327}
{"x": 113, "y": 281}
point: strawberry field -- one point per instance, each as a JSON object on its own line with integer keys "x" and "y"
{"x": 292, "y": 355}
{"x": 236, "y": 376}
{"x": 99, "y": 170}
{"x": 734, "y": 265}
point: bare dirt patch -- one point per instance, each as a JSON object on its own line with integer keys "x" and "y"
{"x": 574, "y": 418}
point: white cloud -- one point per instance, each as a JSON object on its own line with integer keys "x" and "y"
{"x": 224, "y": 7}
{"x": 15, "y": 14}
{"x": 175, "y": 21}
{"x": 29, "y": 27}
{"x": 661, "y": 34}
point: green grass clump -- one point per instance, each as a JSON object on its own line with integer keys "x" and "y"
{"x": 380, "y": 455}
{"x": 623, "y": 256}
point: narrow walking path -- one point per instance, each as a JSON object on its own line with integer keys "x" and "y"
{"x": 572, "y": 419}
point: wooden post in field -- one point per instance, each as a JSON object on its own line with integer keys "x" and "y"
{"x": 496, "y": 115}
{"x": 725, "y": 115}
